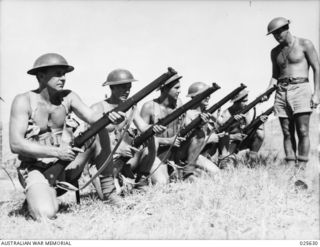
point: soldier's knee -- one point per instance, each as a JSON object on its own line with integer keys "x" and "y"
{"x": 43, "y": 211}
{"x": 303, "y": 131}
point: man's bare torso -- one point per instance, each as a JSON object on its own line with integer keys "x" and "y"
{"x": 291, "y": 61}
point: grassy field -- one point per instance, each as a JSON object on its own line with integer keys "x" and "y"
{"x": 237, "y": 203}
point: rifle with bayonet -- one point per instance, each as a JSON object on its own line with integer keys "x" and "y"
{"x": 57, "y": 169}
{"x": 231, "y": 121}
{"x": 252, "y": 127}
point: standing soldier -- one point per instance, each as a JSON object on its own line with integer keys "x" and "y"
{"x": 291, "y": 61}
{"x": 37, "y": 131}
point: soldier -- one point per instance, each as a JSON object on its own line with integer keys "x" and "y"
{"x": 157, "y": 109}
{"x": 229, "y": 143}
{"x": 291, "y": 61}
{"x": 120, "y": 82}
{"x": 205, "y": 134}
{"x": 37, "y": 130}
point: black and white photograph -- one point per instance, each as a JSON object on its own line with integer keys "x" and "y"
{"x": 159, "y": 120}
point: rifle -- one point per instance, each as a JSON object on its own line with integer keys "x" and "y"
{"x": 232, "y": 120}
{"x": 252, "y": 127}
{"x": 198, "y": 122}
{"x": 139, "y": 140}
{"x": 57, "y": 169}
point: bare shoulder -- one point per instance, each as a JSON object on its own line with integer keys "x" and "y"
{"x": 147, "y": 107}
{"x": 97, "y": 107}
{"x": 306, "y": 43}
{"x": 21, "y": 104}
{"x": 21, "y": 100}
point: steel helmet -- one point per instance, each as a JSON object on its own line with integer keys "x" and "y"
{"x": 277, "y": 23}
{"x": 50, "y": 60}
{"x": 119, "y": 76}
{"x": 196, "y": 88}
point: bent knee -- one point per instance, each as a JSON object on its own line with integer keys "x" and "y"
{"x": 47, "y": 211}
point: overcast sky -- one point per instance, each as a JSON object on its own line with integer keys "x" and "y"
{"x": 210, "y": 41}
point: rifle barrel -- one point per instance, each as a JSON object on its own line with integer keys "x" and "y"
{"x": 197, "y": 121}
{"x": 173, "y": 115}
{"x": 231, "y": 120}
{"x": 125, "y": 106}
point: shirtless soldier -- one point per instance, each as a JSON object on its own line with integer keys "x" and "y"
{"x": 291, "y": 61}
{"x": 120, "y": 82}
{"x": 37, "y": 122}
{"x": 157, "y": 109}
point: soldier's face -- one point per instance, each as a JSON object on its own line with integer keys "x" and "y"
{"x": 174, "y": 91}
{"x": 121, "y": 91}
{"x": 280, "y": 34}
{"x": 54, "y": 77}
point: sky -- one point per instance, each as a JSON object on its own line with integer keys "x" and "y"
{"x": 210, "y": 41}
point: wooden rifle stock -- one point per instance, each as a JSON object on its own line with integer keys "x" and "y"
{"x": 139, "y": 140}
{"x": 231, "y": 120}
{"x": 197, "y": 121}
{"x": 57, "y": 169}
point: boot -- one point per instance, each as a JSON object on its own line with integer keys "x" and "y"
{"x": 108, "y": 189}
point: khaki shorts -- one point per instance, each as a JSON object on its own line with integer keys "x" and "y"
{"x": 293, "y": 99}
{"x": 29, "y": 175}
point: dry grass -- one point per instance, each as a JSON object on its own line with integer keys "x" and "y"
{"x": 238, "y": 203}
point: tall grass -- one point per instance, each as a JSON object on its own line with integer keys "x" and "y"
{"x": 238, "y": 203}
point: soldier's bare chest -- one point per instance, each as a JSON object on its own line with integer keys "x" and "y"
{"x": 47, "y": 115}
{"x": 290, "y": 55}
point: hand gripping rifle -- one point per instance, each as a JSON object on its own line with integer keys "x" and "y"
{"x": 232, "y": 120}
{"x": 139, "y": 140}
{"x": 198, "y": 122}
{"x": 252, "y": 127}
{"x": 57, "y": 169}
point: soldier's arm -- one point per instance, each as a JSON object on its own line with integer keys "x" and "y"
{"x": 313, "y": 60}
{"x": 275, "y": 69}
{"x": 146, "y": 115}
{"x": 88, "y": 115}
{"x": 19, "y": 116}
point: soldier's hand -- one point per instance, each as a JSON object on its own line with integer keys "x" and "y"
{"x": 238, "y": 117}
{"x": 116, "y": 117}
{"x": 126, "y": 150}
{"x": 264, "y": 98}
{"x": 205, "y": 117}
{"x": 177, "y": 141}
{"x": 264, "y": 118}
{"x": 158, "y": 129}
{"x": 315, "y": 101}
{"x": 65, "y": 153}
{"x": 238, "y": 136}
{"x": 222, "y": 134}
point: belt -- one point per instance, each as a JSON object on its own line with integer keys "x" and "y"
{"x": 292, "y": 80}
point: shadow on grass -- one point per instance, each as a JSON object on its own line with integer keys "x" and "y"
{"x": 20, "y": 210}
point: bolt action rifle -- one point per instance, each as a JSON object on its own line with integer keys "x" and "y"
{"x": 250, "y": 130}
{"x": 56, "y": 171}
{"x": 197, "y": 122}
{"x": 231, "y": 121}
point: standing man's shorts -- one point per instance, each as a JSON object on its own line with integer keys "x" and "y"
{"x": 291, "y": 99}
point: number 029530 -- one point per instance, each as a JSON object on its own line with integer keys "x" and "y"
{"x": 309, "y": 243}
